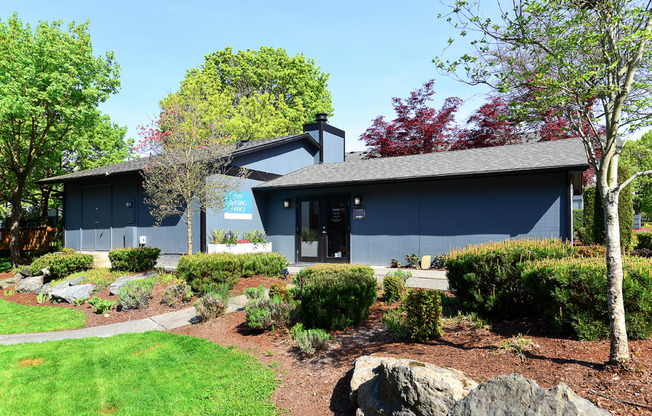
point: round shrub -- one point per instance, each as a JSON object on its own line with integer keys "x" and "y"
{"x": 336, "y": 296}
{"x": 61, "y": 264}
{"x": 136, "y": 259}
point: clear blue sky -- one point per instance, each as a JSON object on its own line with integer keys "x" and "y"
{"x": 373, "y": 50}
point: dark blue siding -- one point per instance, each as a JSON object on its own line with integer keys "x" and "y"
{"x": 431, "y": 217}
{"x": 281, "y": 159}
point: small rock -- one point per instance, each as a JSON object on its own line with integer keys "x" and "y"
{"x": 11, "y": 281}
{"x": 70, "y": 293}
{"x": 517, "y": 395}
{"x": 44, "y": 289}
{"x": 120, "y": 281}
{"x": 25, "y": 272}
{"x": 74, "y": 282}
{"x": 30, "y": 284}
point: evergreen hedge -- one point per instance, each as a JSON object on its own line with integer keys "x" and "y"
{"x": 336, "y": 296}
{"x": 594, "y": 215}
{"x": 136, "y": 259}
{"x": 61, "y": 264}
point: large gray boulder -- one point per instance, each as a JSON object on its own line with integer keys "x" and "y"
{"x": 47, "y": 289}
{"x": 389, "y": 386}
{"x": 25, "y": 272}
{"x": 517, "y": 395}
{"x": 70, "y": 293}
{"x": 11, "y": 281}
{"x": 29, "y": 284}
{"x": 114, "y": 289}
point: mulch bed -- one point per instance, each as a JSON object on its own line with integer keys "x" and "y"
{"x": 320, "y": 385}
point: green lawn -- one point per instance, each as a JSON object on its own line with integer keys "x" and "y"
{"x": 16, "y": 318}
{"x": 154, "y": 373}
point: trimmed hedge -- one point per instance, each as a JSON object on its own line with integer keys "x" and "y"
{"x": 61, "y": 264}
{"x": 336, "y": 296}
{"x": 487, "y": 277}
{"x": 203, "y": 272}
{"x": 571, "y": 296}
{"x": 134, "y": 259}
{"x": 644, "y": 240}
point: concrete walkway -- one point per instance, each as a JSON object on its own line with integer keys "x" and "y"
{"x": 427, "y": 279}
{"x": 163, "y": 322}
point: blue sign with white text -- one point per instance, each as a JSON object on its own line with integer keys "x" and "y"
{"x": 238, "y": 206}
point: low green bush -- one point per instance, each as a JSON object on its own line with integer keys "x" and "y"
{"x": 423, "y": 314}
{"x": 61, "y": 264}
{"x": 134, "y": 259}
{"x": 204, "y": 271}
{"x": 336, "y": 296}
{"x": 571, "y": 296}
{"x": 394, "y": 285}
{"x": 265, "y": 313}
{"x": 312, "y": 341}
{"x": 280, "y": 290}
{"x": 212, "y": 305}
{"x": 644, "y": 240}
{"x": 487, "y": 277}
{"x": 578, "y": 222}
{"x": 101, "y": 305}
{"x": 135, "y": 294}
{"x": 176, "y": 294}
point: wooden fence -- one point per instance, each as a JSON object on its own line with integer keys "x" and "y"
{"x": 31, "y": 238}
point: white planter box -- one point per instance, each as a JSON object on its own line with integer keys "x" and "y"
{"x": 309, "y": 249}
{"x": 240, "y": 248}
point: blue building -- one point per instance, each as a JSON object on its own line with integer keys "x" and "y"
{"x": 318, "y": 207}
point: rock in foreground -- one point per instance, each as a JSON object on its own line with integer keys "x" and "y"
{"x": 517, "y": 395}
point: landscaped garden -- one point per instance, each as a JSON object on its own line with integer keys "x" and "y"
{"x": 528, "y": 307}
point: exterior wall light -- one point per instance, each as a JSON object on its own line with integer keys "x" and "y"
{"x": 287, "y": 203}
{"x": 129, "y": 204}
{"x": 357, "y": 200}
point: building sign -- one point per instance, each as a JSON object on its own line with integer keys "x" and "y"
{"x": 359, "y": 213}
{"x": 238, "y": 206}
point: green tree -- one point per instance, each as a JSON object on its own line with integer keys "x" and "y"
{"x": 186, "y": 149}
{"x": 637, "y": 155}
{"x": 588, "y": 60}
{"x": 251, "y": 95}
{"x": 50, "y": 87}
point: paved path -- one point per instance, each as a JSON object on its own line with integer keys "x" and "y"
{"x": 428, "y": 279}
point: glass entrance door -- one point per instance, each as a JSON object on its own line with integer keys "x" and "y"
{"x": 323, "y": 233}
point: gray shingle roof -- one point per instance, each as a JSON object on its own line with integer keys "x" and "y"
{"x": 136, "y": 165}
{"x": 555, "y": 155}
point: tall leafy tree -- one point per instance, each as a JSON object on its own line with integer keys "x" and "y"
{"x": 637, "y": 155}
{"x": 253, "y": 95}
{"x": 588, "y": 60}
{"x": 417, "y": 128}
{"x": 186, "y": 147}
{"x": 50, "y": 86}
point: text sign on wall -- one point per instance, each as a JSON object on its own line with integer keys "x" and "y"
{"x": 359, "y": 213}
{"x": 238, "y": 206}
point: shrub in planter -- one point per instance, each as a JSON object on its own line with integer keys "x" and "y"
{"x": 394, "y": 285}
{"x": 205, "y": 271}
{"x": 423, "y": 314}
{"x": 487, "y": 277}
{"x": 336, "y": 296}
{"x": 134, "y": 259}
{"x": 61, "y": 264}
{"x": 135, "y": 294}
{"x": 572, "y": 297}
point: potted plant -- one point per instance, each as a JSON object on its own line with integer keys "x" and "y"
{"x": 309, "y": 243}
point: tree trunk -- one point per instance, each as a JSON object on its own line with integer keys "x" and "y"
{"x": 14, "y": 232}
{"x": 189, "y": 225}
{"x": 619, "y": 351}
{"x": 43, "y": 206}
